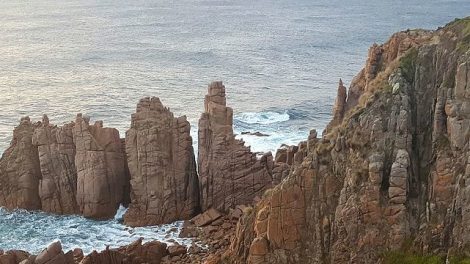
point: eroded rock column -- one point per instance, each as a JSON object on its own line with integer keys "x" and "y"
{"x": 161, "y": 161}
{"x": 230, "y": 174}
{"x": 58, "y": 184}
{"x": 100, "y": 169}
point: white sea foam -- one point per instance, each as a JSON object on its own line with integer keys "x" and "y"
{"x": 273, "y": 141}
{"x": 33, "y": 231}
{"x": 262, "y": 118}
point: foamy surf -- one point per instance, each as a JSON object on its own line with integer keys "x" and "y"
{"x": 33, "y": 231}
{"x": 262, "y": 118}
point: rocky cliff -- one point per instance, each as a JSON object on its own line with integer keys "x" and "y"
{"x": 391, "y": 172}
{"x": 230, "y": 174}
{"x": 165, "y": 185}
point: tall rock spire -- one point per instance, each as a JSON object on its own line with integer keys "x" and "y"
{"x": 229, "y": 173}
{"x": 164, "y": 182}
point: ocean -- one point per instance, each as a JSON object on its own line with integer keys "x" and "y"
{"x": 280, "y": 61}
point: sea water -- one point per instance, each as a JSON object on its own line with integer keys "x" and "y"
{"x": 279, "y": 59}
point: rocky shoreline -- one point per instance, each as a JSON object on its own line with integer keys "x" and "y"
{"x": 387, "y": 178}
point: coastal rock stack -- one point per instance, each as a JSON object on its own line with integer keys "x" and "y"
{"x": 73, "y": 169}
{"x": 58, "y": 181}
{"x": 229, "y": 173}
{"x": 164, "y": 181}
{"x": 100, "y": 169}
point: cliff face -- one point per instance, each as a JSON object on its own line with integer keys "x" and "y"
{"x": 392, "y": 170}
{"x": 230, "y": 174}
{"x": 162, "y": 165}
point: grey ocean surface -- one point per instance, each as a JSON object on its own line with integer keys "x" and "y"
{"x": 280, "y": 61}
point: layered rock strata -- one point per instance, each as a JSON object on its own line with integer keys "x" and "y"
{"x": 390, "y": 175}
{"x": 229, "y": 173}
{"x": 162, "y": 166}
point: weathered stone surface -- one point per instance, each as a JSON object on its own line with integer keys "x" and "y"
{"x": 207, "y": 217}
{"x": 14, "y": 257}
{"x": 393, "y": 172}
{"x": 162, "y": 166}
{"x": 53, "y": 254}
{"x": 229, "y": 173}
{"x": 20, "y": 171}
{"x": 58, "y": 184}
{"x": 135, "y": 253}
{"x": 339, "y": 107}
{"x": 100, "y": 169}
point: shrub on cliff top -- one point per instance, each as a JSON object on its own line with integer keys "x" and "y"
{"x": 408, "y": 64}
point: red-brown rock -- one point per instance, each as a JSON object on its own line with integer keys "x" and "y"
{"x": 229, "y": 173}
{"x": 162, "y": 166}
{"x": 100, "y": 169}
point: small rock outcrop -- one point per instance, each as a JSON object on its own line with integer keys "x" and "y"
{"x": 100, "y": 169}
{"x": 164, "y": 182}
{"x": 135, "y": 253}
{"x": 229, "y": 173}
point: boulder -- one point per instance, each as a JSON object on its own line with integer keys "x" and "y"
{"x": 207, "y": 217}
{"x": 53, "y": 254}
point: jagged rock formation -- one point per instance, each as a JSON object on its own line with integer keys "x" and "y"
{"x": 392, "y": 174}
{"x": 19, "y": 170}
{"x": 100, "y": 169}
{"x": 58, "y": 183}
{"x": 165, "y": 185}
{"x": 229, "y": 173}
{"x": 289, "y": 156}
{"x": 339, "y": 108}
{"x": 73, "y": 169}
{"x": 135, "y": 253}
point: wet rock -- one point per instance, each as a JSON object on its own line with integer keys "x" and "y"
{"x": 258, "y": 134}
{"x": 53, "y": 254}
{"x": 176, "y": 250}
